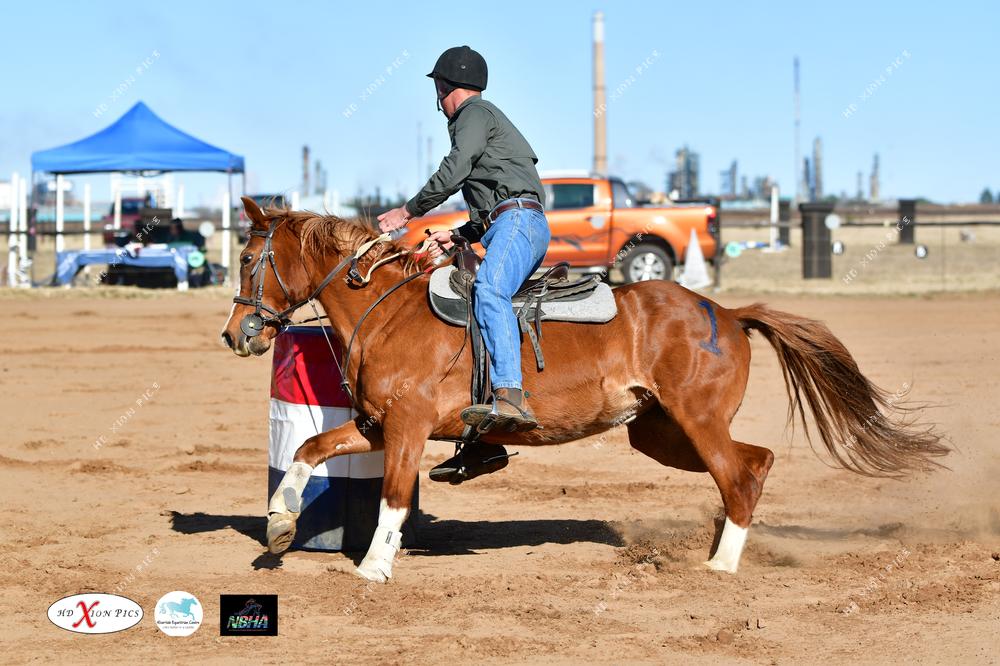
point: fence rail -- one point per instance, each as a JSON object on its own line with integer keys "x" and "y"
{"x": 765, "y": 224}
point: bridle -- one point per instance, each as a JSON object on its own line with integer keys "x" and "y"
{"x": 253, "y": 324}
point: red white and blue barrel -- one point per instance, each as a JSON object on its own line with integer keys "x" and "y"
{"x": 341, "y": 500}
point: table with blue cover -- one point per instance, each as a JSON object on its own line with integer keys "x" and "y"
{"x": 69, "y": 263}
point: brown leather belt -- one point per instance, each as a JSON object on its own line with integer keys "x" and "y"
{"x": 513, "y": 203}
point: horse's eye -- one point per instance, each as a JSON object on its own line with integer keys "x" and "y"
{"x": 246, "y": 259}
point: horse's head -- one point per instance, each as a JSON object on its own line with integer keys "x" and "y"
{"x": 272, "y": 279}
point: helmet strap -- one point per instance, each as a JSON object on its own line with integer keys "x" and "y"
{"x": 443, "y": 88}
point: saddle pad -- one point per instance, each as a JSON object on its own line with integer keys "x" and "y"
{"x": 597, "y": 308}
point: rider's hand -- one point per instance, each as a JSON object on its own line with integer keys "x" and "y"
{"x": 393, "y": 219}
{"x": 443, "y": 243}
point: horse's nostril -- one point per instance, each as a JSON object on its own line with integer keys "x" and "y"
{"x": 228, "y": 339}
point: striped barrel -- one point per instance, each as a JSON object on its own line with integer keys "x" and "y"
{"x": 341, "y": 500}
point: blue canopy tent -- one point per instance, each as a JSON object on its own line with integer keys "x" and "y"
{"x": 138, "y": 142}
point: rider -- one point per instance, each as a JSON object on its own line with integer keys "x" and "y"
{"x": 494, "y": 166}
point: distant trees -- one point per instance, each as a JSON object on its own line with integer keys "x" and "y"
{"x": 987, "y": 197}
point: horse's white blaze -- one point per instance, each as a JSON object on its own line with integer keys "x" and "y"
{"x": 232, "y": 311}
{"x": 377, "y": 565}
{"x": 727, "y": 555}
{"x": 241, "y": 343}
{"x": 288, "y": 495}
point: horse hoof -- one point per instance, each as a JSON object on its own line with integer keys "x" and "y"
{"x": 280, "y": 532}
{"x": 376, "y": 572}
{"x": 720, "y": 566}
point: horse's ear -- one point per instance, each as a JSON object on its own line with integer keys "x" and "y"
{"x": 253, "y": 211}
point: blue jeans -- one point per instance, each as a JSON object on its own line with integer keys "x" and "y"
{"x": 515, "y": 246}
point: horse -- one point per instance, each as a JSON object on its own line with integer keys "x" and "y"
{"x": 182, "y": 607}
{"x": 672, "y": 366}
{"x": 252, "y": 608}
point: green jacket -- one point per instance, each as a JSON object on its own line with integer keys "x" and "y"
{"x": 489, "y": 160}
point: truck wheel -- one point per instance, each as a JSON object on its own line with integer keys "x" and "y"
{"x": 647, "y": 261}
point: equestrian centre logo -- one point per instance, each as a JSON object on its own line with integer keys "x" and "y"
{"x": 243, "y": 615}
{"x": 178, "y": 613}
{"x": 95, "y": 613}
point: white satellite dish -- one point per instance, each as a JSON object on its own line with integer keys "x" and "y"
{"x": 832, "y": 221}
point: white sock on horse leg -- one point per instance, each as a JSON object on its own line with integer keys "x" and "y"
{"x": 288, "y": 495}
{"x": 727, "y": 555}
{"x": 377, "y": 565}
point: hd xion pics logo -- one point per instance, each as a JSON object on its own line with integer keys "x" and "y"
{"x": 95, "y": 613}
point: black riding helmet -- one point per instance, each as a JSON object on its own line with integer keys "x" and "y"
{"x": 459, "y": 67}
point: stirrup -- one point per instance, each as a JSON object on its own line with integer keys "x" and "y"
{"x": 458, "y": 472}
{"x": 489, "y": 420}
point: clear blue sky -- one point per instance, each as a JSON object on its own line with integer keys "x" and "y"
{"x": 262, "y": 79}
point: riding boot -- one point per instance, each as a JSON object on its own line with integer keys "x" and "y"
{"x": 477, "y": 458}
{"x": 508, "y": 413}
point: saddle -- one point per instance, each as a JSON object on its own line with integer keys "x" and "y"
{"x": 549, "y": 297}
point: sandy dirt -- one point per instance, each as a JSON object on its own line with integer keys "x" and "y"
{"x": 587, "y": 552}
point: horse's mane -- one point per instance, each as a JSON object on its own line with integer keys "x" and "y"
{"x": 324, "y": 234}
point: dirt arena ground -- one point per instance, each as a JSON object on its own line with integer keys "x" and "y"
{"x": 587, "y": 552}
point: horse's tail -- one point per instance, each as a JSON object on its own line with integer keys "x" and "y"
{"x": 850, "y": 411}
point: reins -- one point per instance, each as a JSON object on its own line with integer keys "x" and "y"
{"x": 253, "y": 325}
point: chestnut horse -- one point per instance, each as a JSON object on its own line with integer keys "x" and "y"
{"x": 672, "y": 366}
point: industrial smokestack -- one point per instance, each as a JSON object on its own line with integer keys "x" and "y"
{"x": 798, "y": 172}
{"x": 600, "y": 103}
{"x": 430, "y": 159}
{"x": 874, "y": 184}
{"x": 320, "y": 181}
{"x": 305, "y": 171}
{"x": 818, "y": 167}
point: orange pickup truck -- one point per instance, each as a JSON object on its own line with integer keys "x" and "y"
{"x": 597, "y": 225}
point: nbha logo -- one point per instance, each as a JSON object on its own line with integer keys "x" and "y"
{"x": 95, "y": 613}
{"x": 248, "y": 616}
